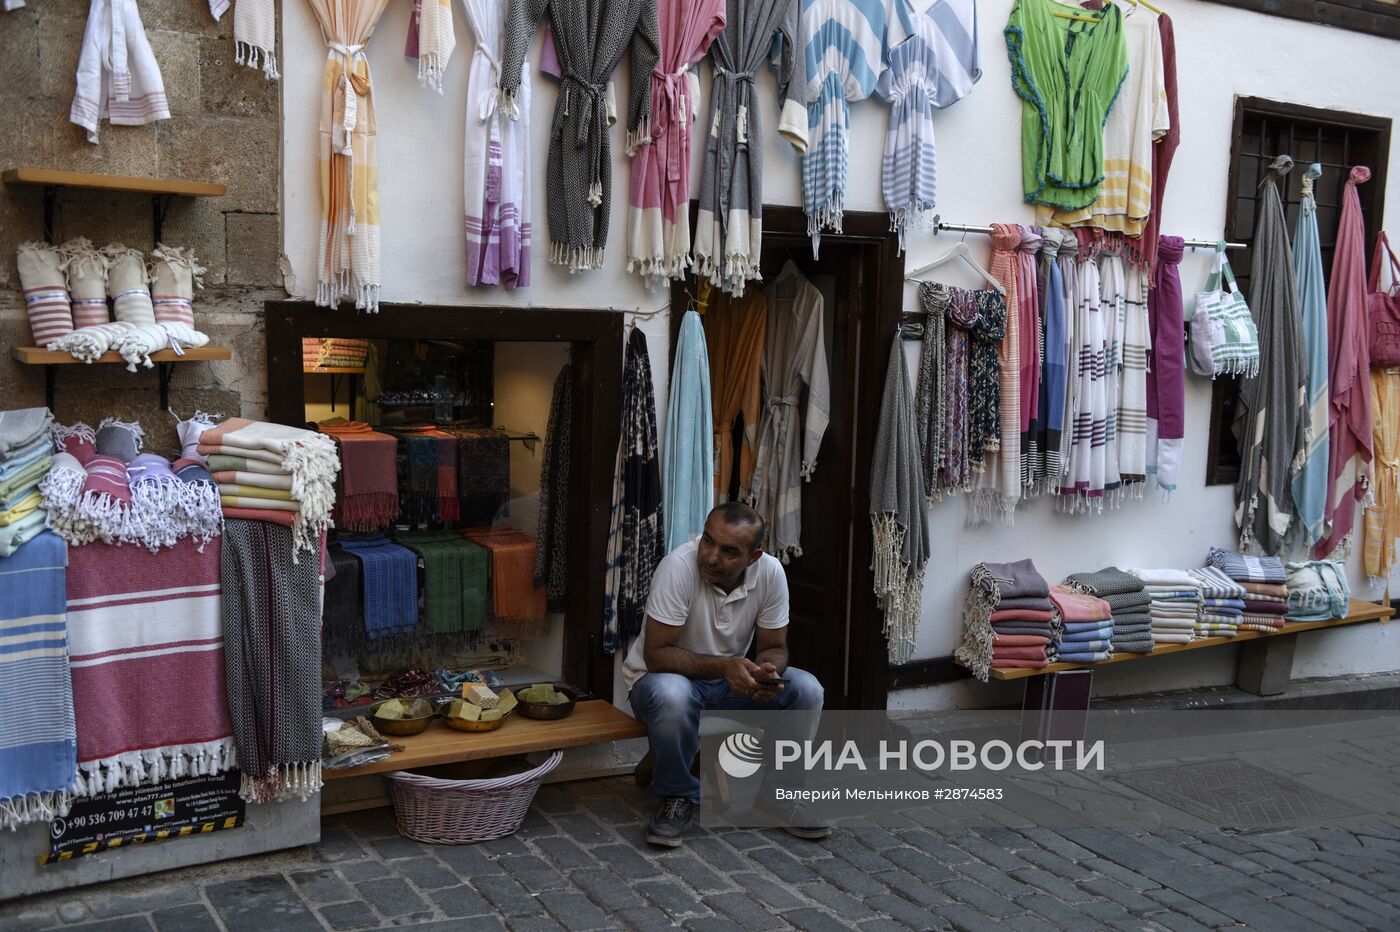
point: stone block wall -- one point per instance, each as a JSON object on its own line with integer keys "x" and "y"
{"x": 224, "y": 128}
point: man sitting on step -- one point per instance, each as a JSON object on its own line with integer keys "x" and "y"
{"x": 708, "y": 599}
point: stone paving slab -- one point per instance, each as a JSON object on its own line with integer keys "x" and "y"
{"x": 578, "y": 865}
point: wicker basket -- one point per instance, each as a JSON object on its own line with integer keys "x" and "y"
{"x": 460, "y": 812}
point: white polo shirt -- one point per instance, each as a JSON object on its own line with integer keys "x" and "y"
{"x": 716, "y": 623}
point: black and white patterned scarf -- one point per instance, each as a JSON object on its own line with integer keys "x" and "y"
{"x": 643, "y": 537}
{"x": 271, "y": 612}
{"x": 551, "y": 538}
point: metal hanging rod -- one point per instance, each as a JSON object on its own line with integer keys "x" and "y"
{"x": 940, "y": 226}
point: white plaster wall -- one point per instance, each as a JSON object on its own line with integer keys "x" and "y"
{"x": 1221, "y": 53}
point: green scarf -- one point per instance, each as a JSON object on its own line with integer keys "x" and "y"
{"x": 1067, "y": 72}
{"x": 454, "y": 581}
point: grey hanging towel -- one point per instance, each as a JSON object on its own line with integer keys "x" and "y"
{"x": 897, "y": 516}
{"x": 1272, "y": 413}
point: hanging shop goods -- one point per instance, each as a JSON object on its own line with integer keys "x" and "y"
{"x": 1028, "y": 318}
{"x": 1047, "y": 432}
{"x": 496, "y": 165}
{"x": 431, "y": 40}
{"x": 689, "y": 465}
{"x": 516, "y": 602}
{"x": 736, "y": 331}
{"x": 387, "y": 574}
{"x": 367, "y": 496}
{"x": 1383, "y": 308}
{"x": 898, "y": 523}
{"x": 1067, "y": 73}
{"x": 729, "y": 225}
{"x": 658, "y": 228}
{"x": 1382, "y": 517}
{"x": 1136, "y": 344}
{"x": 348, "y": 259}
{"x": 1164, "y": 147}
{"x": 794, "y": 358}
{"x": 133, "y": 637}
{"x": 1224, "y": 337}
{"x": 843, "y": 42}
{"x": 1166, "y": 373}
{"x": 38, "y": 749}
{"x": 589, "y": 45}
{"x": 1083, "y": 631}
{"x": 118, "y": 79}
{"x": 1138, "y": 117}
{"x": 1272, "y": 416}
{"x": 1349, "y": 359}
{"x": 551, "y": 545}
{"x": 933, "y": 69}
{"x": 998, "y": 486}
{"x": 642, "y": 535}
{"x": 271, "y": 619}
{"x": 254, "y": 32}
{"x": 1317, "y": 590}
{"x": 455, "y": 573}
{"x": 1005, "y": 599}
{"x": 1310, "y": 482}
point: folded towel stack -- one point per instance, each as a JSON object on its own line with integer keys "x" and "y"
{"x": 26, "y": 453}
{"x": 1223, "y": 603}
{"x": 1317, "y": 590}
{"x": 1008, "y": 618}
{"x": 1263, "y": 584}
{"x": 1129, "y": 604}
{"x": 1086, "y": 629}
{"x": 1176, "y": 604}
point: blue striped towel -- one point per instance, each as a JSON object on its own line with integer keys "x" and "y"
{"x": 389, "y": 576}
{"x": 38, "y": 752}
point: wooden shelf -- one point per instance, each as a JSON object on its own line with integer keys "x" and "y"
{"x": 49, "y": 177}
{"x": 336, "y": 370}
{"x": 38, "y": 356}
{"x": 1357, "y": 612}
{"x": 592, "y": 722}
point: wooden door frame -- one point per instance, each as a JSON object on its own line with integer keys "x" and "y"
{"x": 596, "y": 353}
{"x": 867, "y": 666}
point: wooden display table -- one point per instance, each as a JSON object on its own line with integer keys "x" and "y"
{"x": 593, "y": 722}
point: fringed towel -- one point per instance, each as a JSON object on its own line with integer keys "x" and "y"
{"x": 309, "y": 457}
{"x": 86, "y": 269}
{"x": 991, "y": 582}
{"x": 1135, "y": 345}
{"x": 431, "y": 41}
{"x": 128, "y": 285}
{"x": 1244, "y": 568}
{"x": 1272, "y": 417}
{"x": 998, "y": 487}
{"x": 1349, "y": 361}
{"x": 144, "y": 631}
{"x": 552, "y": 516}
{"x": 1381, "y": 521}
{"x": 1085, "y": 479}
{"x": 729, "y": 224}
{"x": 254, "y": 33}
{"x": 1032, "y": 349}
{"x": 643, "y": 538}
{"x": 368, "y": 491}
{"x": 517, "y": 604}
{"x": 203, "y": 514}
{"x": 1048, "y": 466}
{"x": 348, "y": 261}
{"x": 496, "y": 169}
{"x": 271, "y": 619}
{"x": 736, "y": 331}
{"x": 690, "y": 453}
{"x": 175, "y": 273}
{"x": 454, "y": 581}
{"x": 1107, "y": 582}
{"x": 428, "y": 475}
{"x": 658, "y": 228}
{"x": 483, "y": 474}
{"x": 1310, "y": 482}
{"x": 389, "y": 583}
{"x": 38, "y": 743}
{"x": 897, "y": 519}
{"x": 45, "y": 292}
{"x": 1166, "y": 371}
{"x": 589, "y": 42}
{"x": 1317, "y": 590}
{"x": 20, "y": 428}
{"x": 118, "y": 79}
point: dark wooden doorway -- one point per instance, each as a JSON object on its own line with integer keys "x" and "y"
{"x": 835, "y": 628}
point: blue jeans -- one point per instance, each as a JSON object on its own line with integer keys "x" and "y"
{"x": 670, "y": 704}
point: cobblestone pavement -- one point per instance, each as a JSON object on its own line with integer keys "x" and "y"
{"x": 580, "y": 863}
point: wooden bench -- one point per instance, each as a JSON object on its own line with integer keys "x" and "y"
{"x": 593, "y": 721}
{"x": 1265, "y": 666}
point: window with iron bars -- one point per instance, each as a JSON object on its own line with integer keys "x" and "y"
{"x": 1263, "y": 130}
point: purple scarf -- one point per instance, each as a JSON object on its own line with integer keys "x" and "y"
{"x": 1166, "y": 373}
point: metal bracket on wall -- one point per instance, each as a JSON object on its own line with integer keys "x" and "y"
{"x": 50, "y": 208}
{"x": 49, "y": 382}
{"x": 160, "y": 207}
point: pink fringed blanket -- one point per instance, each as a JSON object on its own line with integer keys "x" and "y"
{"x": 148, "y": 664}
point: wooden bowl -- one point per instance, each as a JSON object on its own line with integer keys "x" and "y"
{"x": 545, "y": 711}
{"x": 422, "y": 715}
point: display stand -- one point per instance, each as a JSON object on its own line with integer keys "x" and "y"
{"x": 164, "y": 359}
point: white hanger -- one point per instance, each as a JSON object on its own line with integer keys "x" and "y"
{"x": 961, "y": 251}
